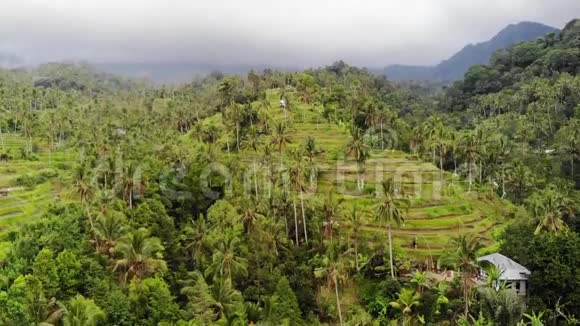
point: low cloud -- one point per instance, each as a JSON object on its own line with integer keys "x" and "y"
{"x": 292, "y": 33}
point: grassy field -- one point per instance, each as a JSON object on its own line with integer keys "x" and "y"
{"x": 23, "y": 203}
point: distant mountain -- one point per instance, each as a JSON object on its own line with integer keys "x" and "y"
{"x": 472, "y": 54}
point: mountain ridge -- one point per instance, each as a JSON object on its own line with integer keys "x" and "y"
{"x": 471, "y": 54}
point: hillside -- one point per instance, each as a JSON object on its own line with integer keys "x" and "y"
{"x": 472, "y": 54}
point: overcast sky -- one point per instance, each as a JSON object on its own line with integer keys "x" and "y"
{"x": 372, "y": 33}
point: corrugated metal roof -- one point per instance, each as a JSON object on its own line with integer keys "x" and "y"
{"x": 511, "y": 271}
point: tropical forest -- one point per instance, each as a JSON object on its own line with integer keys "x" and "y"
{"x": 326, "y": 196}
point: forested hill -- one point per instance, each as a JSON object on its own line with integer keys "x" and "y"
{"x": 472, "y": 54}
{"x": 328, "y": 196}
{"x": 523, "y": 70}
{"x": 79, "y": 77}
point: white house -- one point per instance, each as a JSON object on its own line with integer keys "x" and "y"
{"x": 515, "y": 275}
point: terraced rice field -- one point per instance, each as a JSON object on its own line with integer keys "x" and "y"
{"x": 441, "y": 206}
{"x": 20, "y": 204}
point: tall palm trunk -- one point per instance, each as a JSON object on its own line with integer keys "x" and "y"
{"x": 338, "y": 302}
{"x": 470, "y": 179}
{"x": 356, "y": 250}
{"x": 441, "y": 164}
{"x": 2, "y": 141}
{"x": 391, "y": 250}
{"x": 502, "y": 182}
{"x": 466, "y": 293}
{"x": 255, "y": 180}
{"x": 382, "y": 138}
{"x": 295, "y": 221}
{"x": 303, "y": 216}
{"x": 238, "y": 136}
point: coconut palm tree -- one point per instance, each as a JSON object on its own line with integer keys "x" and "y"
{"x": 281, "y": 139}
{"x": 235, "y": 115}
{"x": 549, "y": 208}
{"x": 250, "y": 214}
{"x": 311, "y": 151}
{"x": 211, "y": 302}
{"x": 463, "y": 255}
{"x": 569, "y": 142}
{"x": 359, "y": 150}
{"x": 226, "y": 260}
{"x": 84, "y": 186}
{"x": 195, "y": 237}
{"x": 420, "y": 280}
{"x": 139, "y": 254}
{"x": 519, "y": 178}
{"x": 334, "y": 268}
{"x": 109, "y": 229}
{"x": 130, "y": 182}
{"x": 390, "y": 210}
{"x": 407, "y": 299}
{"x": 330, "y": 208}
{"x": 356, "y": 220}
{"x": 471, "y": 152}
{"x": 297, "y": 183}
{"x": 83, "y": 312}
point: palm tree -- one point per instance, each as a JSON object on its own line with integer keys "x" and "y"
{"x": 311, "y": 151}
{"x": 226, "y": 260}
{"x": 355, "y": 218}
{"x": 211, "y": 302}
{"x": 250, "y": 215}
{"x": 253, "y": 141}
{"x": 471, "y": 153}
{"x": 463, "y": 256}
{"x": 281, "y": 139}
{"x": 109, "y": 229}
{"x": 493, "y": 279}
{"x": 196, "y": 238}
{"x": 235, "y": 114}
{"x": 420, "y": 280}
{"x": 358, "y": 148}
{"x": 130, "y": 182}
{"x": 84, "y": 187}
{"x": 332, "y": 266}
{"x": 440, "y": 142}
{"x": 569, "y": 140}
{"x": 330, "y": 208}
{"x": 297, "y": 183}
{"x": 407, "y": 299}
{"x": 417, "y": 139}
{"x": 139, "y": 254}
{"x": 83, "y": 312}
{"x": 390, "y": 210}
{"x": 549, "y": 208}
{"x": 519, "y": 178}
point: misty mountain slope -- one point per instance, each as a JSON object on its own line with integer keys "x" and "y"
{"x": 472, "y": 54}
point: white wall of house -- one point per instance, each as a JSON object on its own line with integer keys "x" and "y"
{"x": 519, "y": 286}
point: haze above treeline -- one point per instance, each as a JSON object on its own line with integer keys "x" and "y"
{"x": 172, "y": 42}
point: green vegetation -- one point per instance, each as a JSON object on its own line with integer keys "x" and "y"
{"x": 329, "y": 196}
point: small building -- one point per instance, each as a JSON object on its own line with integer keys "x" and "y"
{"x": 515, "y": 275}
